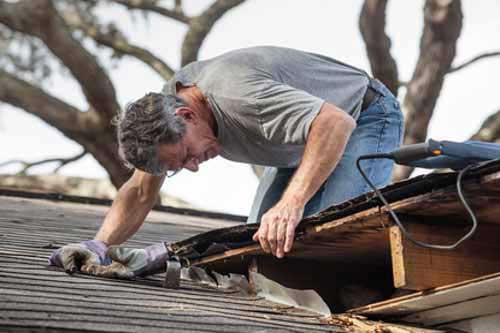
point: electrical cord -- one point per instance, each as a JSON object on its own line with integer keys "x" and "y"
{"x": 398, "y": 222}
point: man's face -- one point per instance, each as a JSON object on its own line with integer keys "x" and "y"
{"x": 198, "y": 145}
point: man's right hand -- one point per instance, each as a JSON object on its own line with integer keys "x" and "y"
{"x": 73, "y": 256}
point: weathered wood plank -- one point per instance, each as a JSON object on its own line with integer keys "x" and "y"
{"x": 434, "y": 298}
{"x": 483, "y": 324}
{"x": 418, "y": 268}
{"x": 474, "y": 308}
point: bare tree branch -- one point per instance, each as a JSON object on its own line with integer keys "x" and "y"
{"x": 117, "y": 42}
{"x": 86, "y": 128}
{"x": 489, "y": 130}
{"x": 178, "y": 6}
{"x": 473, "y": 60}
{"x": 40, "y": 19}
{"x": 378, "y": 44}
{"x": 69, "y": 120}
{"x": 150, "y": 5}
{"x": 200, "y": 26}
{"x": 28, "y": 165}
{"x": 442, "y": 27}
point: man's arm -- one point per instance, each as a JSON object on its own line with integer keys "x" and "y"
{"x": 326, "y": 142}
{"x": 132, "y": 204}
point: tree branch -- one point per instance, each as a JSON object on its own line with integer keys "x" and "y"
{"x": 69, "y": 120}
{"x": 442, "y": 27}
{"x": 200, "y": 26}
{"x": 117, "y": 42}
{"x": 489, "y": 130}
{"x": 178, "y": 6}
{"x": 150, "y": 5}
{"x": 473, "y": 60}
{"x": 40, "y": 19}
{"x": 28, "y": 165}
{"x": 86, "y": 128}
{"x": 378, "y": 44}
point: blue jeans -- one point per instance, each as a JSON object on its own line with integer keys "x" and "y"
{"x": 379, "y": 129}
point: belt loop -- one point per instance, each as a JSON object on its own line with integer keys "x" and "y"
{"x": 377, "y": 86}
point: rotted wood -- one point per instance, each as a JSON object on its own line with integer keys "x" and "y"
{"x": 361, "y": 216}
{"x": 364, "y": 235}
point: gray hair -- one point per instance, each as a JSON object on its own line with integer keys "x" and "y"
{"x": 144, "y": 125}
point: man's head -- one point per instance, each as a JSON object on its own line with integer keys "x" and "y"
{"x": 159, "y": 132}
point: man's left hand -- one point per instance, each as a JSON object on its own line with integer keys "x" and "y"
{"x": 277, "y": 228}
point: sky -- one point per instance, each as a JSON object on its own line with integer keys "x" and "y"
{"x": 320, "y": 26}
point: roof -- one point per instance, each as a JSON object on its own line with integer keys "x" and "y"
{"x": 34, "y": 296}
{"x": 78, "y": 186}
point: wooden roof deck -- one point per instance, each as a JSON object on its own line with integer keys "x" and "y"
{"x": 34, "y": 297}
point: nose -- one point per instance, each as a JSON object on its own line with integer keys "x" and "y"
{"x": 192, "y": 165}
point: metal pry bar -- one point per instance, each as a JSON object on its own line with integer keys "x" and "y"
{"x": 173, "y": 274}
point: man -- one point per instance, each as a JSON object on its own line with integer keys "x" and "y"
{"x": 304, "y": 116}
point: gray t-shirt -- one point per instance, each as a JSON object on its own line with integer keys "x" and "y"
{"x": 265, "y": 98}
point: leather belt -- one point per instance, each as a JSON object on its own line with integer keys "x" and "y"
{"x": 368, "y": 98}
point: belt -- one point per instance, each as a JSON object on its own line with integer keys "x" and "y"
{"x": 368, "y": 98}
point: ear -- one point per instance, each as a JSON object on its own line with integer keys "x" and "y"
{"x": 187, "y": 113}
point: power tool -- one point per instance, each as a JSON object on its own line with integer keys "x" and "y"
{"x": 459, "y": 156}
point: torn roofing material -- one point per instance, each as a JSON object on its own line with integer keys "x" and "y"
{"x": 34, "y": 297}
{"x": 237, "y": 237}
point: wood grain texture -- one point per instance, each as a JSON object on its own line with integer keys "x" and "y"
{"x": 436, "y": 298}
{"x": 418, "y": 268}
{"x": 397, "y": 257}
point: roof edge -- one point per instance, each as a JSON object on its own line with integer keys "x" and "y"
{"x": 54, "y": 196}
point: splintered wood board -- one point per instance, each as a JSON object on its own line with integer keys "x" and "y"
{"x": 364, "y": 236}
{"x": 458, "y": 301}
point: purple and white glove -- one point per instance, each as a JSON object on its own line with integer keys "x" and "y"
{"x": 129, "y": 263}
{"x": 72, "y": 257}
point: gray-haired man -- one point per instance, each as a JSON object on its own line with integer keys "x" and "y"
{"x": 304, "y": 116}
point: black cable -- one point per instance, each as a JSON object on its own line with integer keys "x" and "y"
{"x": 398, "y": 222}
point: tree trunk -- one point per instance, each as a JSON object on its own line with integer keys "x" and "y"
{"x": 378, "y": 44}
{"x": 442, "y": 27}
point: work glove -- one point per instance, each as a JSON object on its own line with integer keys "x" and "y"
{"x": 72, "y": 257}
{"x": 129, "y": 263}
